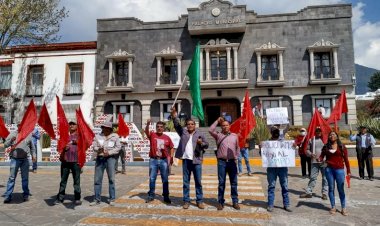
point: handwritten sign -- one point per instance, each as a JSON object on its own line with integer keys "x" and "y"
{"x": 277, "y": 116}
{"x": 278, "y": 154}
{"x": 174, "y": 137}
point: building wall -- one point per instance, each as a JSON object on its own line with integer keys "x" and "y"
{"x": 295, "y": 32}
{"x": 54, "y": 66}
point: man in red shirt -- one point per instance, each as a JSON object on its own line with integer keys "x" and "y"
{"x": 160, "y": 149}
{"x": 69, "y": 163}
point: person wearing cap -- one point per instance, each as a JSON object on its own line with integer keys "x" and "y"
{"x": 314, "y": 151}
{"x": 364, "y": 144}
{"x": 282, "y": 174}
{"x": 190, "y": 149}
{"x": 69, "y": 163}
{"x": 227, "y": 153}
{"x": 300, "y": 142}
{"x": 19, "y": 160}
{"x": 161, "y": 147}
{"x": 106, "y": 146}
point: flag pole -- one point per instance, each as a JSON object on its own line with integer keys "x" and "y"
{"x": 180, "y": 88}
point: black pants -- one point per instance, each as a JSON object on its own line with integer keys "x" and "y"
{"x": 66, "y": 167}
{"x": 305, "y": 160}
{"x": 365, "y": 160}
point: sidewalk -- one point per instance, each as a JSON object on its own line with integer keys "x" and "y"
{"x": 363, "y": 198}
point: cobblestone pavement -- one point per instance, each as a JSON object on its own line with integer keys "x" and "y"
{"x": 363, "y": 201}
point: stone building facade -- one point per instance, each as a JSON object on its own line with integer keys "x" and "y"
{"x": 298, "y": 60}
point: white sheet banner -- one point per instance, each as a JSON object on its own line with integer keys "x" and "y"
{"x": 278, "y": 154}
{"x": 277, "y": 116}
{"x": 174, "y": 137}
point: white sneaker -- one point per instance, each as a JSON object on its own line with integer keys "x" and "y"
{"x": 112, "y": 203}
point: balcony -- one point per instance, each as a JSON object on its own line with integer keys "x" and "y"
{"x": 168, "y": 82}
{"x": 270, "y": 77}
{"x": 119, "y": 84}
{"x": 224, "y": 77}
{"x": 73, "y": 89}
{"x": 324, "y": 75}
{"x": 34, "y": 90}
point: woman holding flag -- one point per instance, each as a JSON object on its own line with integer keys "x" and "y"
{"x": 336, "y": 158}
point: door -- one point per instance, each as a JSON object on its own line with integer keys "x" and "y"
{"x": 213, "y": 113}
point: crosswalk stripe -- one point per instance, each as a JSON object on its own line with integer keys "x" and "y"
{"x": 131, "y": 208}
{"x": 145, "y": 222}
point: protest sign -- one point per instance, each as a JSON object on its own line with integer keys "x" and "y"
{"x": 277, "y": 116}
{"x": 174, "y": 137}
{"x": 278, "y": 154}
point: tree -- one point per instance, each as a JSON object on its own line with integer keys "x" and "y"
{"x": 29, "y": 22}
{"x": 374, "y": 82}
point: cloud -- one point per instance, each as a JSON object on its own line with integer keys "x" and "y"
{"x": 81, "y": 23}
{"x": 366, "y": 39}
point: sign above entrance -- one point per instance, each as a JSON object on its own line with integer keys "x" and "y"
{"x": 216, "y": 16}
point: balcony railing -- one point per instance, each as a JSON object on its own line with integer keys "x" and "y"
{"x": 270, "y": 74}
{"x": 34, "y": 90}
{"x": 168, "y": 79}
{"x": 324, "y": 72}
{"x": 74, "y": 89}
{"x": 222, "y": 74}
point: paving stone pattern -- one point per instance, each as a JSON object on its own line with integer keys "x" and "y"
{"x": 131, "y": 208}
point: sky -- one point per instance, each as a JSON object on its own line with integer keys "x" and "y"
{"x": 80, "y": 25}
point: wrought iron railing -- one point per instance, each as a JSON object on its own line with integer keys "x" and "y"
{"x": 222, "y": 74}
{"x": 324, "y": 72}
{"x": 34, "y": 90}
{"x": 74, "y": 88}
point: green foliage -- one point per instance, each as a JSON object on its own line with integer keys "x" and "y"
{"x": 372, "y": 124}
{"x": 46, "y": 141}
{"x": 29, "y": 22}
{"x": 374, "y": 82}
{"x": 261, "y": 131}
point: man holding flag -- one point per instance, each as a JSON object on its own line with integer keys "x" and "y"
{"x": 22, "y": 146}
{"x": 69, "y": 162}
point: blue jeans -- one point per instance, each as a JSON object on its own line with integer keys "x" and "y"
{"x": 154, "y": 166}
{"x": 187, "y": 168}
{"x": 244, "y": 154}
{"x": 15, "y": 164}
{"x": 229, "y": 167}
{"x": 102, "y": 164}
{"x": 282, "y": 174}
{"x": 315, "y": 168}
{"x": 337, "y": 175}
{"x": 34, "y": 164}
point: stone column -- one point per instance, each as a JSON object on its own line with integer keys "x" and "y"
{"x": 130, "y": 72}
{"x": 297, "y": 110}
{"x": 311, "y": 55}
{"x": 236, "y": 75}
{"x": 259, "y": 77}
{"x": 208, "y": 65}
{"x": 201, "y": 64}
{"x": 228, "y": 49}
{"x": 145, "y": 111}
{"x": 158, "y": 70}
{"x": 281, "y": 65}
{"x": 335, "y": 55}
{"x": 114, "y": 113}
{"x": 110, "y": 71}
{"x": 179, "y": 70}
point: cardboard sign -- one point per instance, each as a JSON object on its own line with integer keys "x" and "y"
{"x": 277, "y": 116}
{"x": 174, "y": 137}
{"x": 278, "y": 153}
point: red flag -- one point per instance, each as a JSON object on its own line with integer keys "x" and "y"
{"x": 317, "y": 121}
{"x": 28, "y": 123}
{"x": 339, "y": 108}
{"x": 85, "y": 137}
{"x": 123, "y": 130}
{"x": 3, "y": 129}
{"x": 63, "y": 127}
{"x": 45, "y": 122}
{"x": 245, "y": 124}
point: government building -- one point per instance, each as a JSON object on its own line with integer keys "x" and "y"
{"x": 300, "y": 61}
